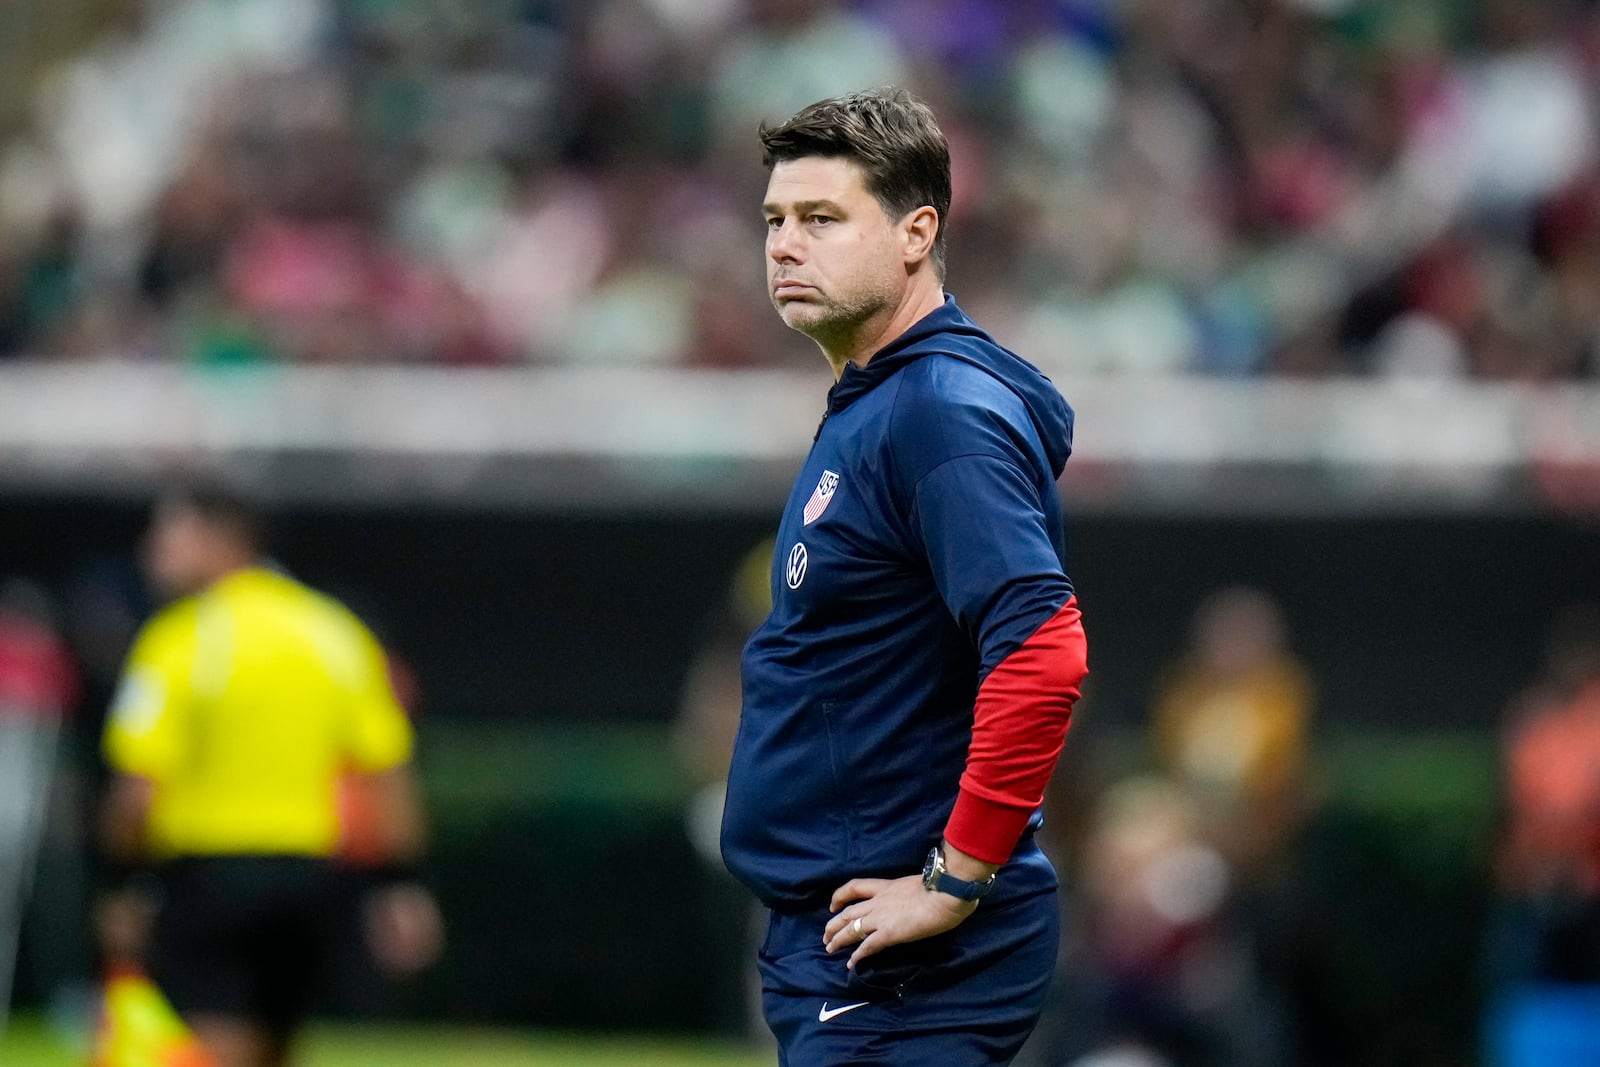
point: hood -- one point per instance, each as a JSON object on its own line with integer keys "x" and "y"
{"x": 948, "y": 331}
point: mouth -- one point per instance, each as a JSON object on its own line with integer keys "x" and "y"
{"x": 789, "y": 289}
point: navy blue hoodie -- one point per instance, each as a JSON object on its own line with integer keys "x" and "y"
{"x": 917, "y": 584}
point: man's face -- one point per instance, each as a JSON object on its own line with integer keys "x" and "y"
{"x": 182, "y": 551}
{"x": 834, "y": 259}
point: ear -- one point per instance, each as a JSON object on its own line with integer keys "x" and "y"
{"x": 918, "y": 230}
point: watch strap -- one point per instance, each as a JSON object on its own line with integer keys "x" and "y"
{"x": 936, "y": 879}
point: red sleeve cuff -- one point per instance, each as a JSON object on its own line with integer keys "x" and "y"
{"x": 985, "y": 829}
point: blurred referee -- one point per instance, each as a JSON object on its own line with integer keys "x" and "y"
{"x": 242, "y": 704}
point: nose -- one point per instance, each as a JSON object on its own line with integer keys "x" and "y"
{"x": 783, "y": 242}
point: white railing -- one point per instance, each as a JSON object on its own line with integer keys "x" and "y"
{"x": 555, "y": 435}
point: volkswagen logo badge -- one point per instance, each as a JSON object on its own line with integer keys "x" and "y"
{"x": 796, "y": 569}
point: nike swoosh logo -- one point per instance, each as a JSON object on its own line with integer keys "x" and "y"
{"x": 824, "y": 1015}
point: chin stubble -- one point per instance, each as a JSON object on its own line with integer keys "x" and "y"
{"x": 832, "y": 319}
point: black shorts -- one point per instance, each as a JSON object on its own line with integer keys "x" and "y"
{"x": 252, "y": 937}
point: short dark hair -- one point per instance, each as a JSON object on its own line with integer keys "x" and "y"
{"x": 891, "y": 134}
{"x": 223, "y": 506}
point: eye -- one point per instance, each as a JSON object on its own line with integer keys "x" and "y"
{"x": 774, "y": 221}
{"x": 819, "y": 220}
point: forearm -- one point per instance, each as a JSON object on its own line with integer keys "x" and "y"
{"x": 404, "y": 929}
{"x": 125, "y": 904}
{"x": 400, "y": 828}
{"x": 123, "y": 818}
{"x": 1019, "y": 726}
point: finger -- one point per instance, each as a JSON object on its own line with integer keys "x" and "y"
{"x": 838, "y": 923}
{"x": 846, "y": 929}
{"x": 856, "y": 889}
{"x": 875, "y": 942}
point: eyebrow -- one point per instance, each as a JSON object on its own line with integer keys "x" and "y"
{"x": 805, "y": 207}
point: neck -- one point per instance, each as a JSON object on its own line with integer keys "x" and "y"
{"x": 227, "y": 570}
{"x": 921, "y": 298}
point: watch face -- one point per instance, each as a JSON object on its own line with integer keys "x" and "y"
{"x": 930, "y": 867}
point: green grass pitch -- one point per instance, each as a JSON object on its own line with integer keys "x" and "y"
{"x": 29, "y": 1044}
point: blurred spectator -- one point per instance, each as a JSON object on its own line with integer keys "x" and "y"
{"x": 787, "y": 53}
{"x": 1231, "y": 187}
{"x": 38, "y": 688}
{"x": 102, "y": 602}
{"x": 708, "y": 711}
{"x": 1544, "y": 945}
{"x": 1232, "y": 724}
{"x": 1159, "y": 972}
{"x": 1548, "y": 869}
{"x": 1563, "y": 310}
{"x": 704, "y": 734}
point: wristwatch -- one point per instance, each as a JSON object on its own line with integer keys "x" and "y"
{"x": 935, "y": 879}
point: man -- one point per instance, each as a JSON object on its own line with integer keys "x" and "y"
{"x": 241, "y": 706}
{"x": 907, "y": 699}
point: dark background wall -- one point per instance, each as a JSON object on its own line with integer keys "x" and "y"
{"x": 515, "y": 614}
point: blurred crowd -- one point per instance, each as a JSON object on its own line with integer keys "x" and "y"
{"x": 1227, "y": 187}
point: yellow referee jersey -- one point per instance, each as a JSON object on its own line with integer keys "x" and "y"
{"x": 243, "y": 705}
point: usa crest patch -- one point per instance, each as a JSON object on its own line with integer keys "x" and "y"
{"x": 821, "y": 497}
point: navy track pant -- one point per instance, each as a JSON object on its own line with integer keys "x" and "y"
{"x": 967, "y": 998}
